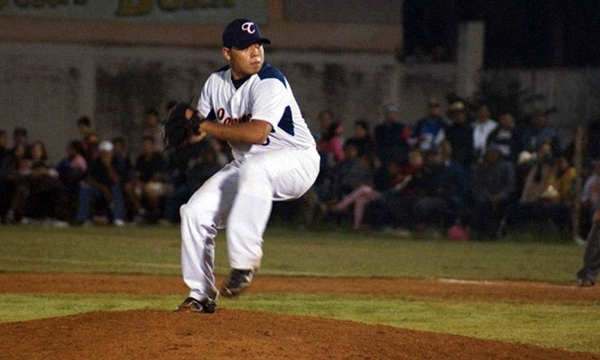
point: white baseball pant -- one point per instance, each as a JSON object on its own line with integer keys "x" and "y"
{"x": 239, "y": 197}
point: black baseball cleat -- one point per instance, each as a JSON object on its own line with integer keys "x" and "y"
{"x": 237, "y": 282}
{"x": 197, "y": 306}
{"x": 586, "y": 281}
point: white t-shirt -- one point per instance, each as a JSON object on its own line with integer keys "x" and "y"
{"x": 266, "y": 96}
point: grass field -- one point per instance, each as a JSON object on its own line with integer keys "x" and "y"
{"x": 155, "y": 250}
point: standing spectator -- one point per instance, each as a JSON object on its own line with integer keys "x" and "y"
{"x": 391, "y": 137}
{"x": 153, "y": 128}
{"x": 492, "y": 191}
{"x": 351, "y": 173}
{"x": 482, "y": 128}
{"x": 3, "y": 145}
{"x": 104, "y": 182}
{"x": 593, "y": 139}
{"x": 506, "y": 138}
{"x": 148, "y": 187}
{"x": 460, "y": 135}
{"x": 538, "y": 132}
{"x": 20, "y": 137}
{"x": 84, "y": 125}
{"x": 325, "y": 119}
{"x": 430, "y": 130}
{"x": 362, "y": 139}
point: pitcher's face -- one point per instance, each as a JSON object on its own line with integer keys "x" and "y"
{"x": 245, "y": 62}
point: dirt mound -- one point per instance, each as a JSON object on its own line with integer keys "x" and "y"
{"x": 166, "y": 285}
{"x": 230, "y": 334}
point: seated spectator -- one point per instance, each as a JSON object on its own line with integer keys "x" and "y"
{"x": 430, "y": 130}
{"x": 492, "y": 192}
{"x": 12, "y": 169}
{"x": 325, "y": 119}
{"x": 148, "y": 187}
{"x": 540, "y": 199}
{"x": 362, "y": 139}
{"x": 332, "y": 153}
{"x": 351, "y": 173}
{"x": 189, "y": 168}
{"x": 45, "y": 194}
{"x": 482, "y": 128}
{"x": 391, "y": 137}
{"x": 538, "y": 132}
{"x": 120, "y": 150}
{"x": 72, "y": 170}
{"x": 506, "y": 138}
{"x": 444, "y": 183}
{"x": 460, "y": 135}
{"x": 104, "y": 182}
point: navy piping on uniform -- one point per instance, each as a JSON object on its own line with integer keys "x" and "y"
{"x": 269, "y": 72}
{"x": 287, "y": 122}
{"x": 211, "y": 115}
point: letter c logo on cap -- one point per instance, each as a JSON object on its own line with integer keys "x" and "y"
{"x": 247, "y": 27}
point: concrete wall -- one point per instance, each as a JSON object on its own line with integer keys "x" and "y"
{"x": 47, "y": 87}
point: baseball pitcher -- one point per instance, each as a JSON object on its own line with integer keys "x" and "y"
{"x": 250, "y": 104}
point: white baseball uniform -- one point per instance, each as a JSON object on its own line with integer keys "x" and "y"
{"x": 240, "y": 196}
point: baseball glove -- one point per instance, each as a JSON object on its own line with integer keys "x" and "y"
{"x": 180, "y": 125}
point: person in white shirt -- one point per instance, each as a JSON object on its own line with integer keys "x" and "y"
{"x": 250, "y": 104}
{"x": 481, "y": 130}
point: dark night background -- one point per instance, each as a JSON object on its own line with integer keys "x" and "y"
{"x": 519, "y": 33}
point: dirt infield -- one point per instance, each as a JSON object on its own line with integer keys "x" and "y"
{"x": 166, "y": 285}
{"x": 235, "y": 334}
{"x": 230, "y": 334}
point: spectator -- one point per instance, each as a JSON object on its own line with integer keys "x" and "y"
{"x": 506, "y": 138}
{"x": 90, "y": 147}
{"x": 20, "y": 136}
{"x": 482, "y": 128}
{"x": 325, "y": 119}
{"x": 352, "y": 172}
{"x": 445, "y": 186}
{"x": 84, "y": 125}
{"x": 362, "y": 139}
{"x": 148, "y": 187}
{"x": 72, "y": 169}
{"x": 540, "y": 199}
{"x": 460, "y": 135}
{"x": 45, "y": 194}
{"x": 120, "y": 151}
{"x": 153, "y": 128}
{"x": 593, "y": 139}
{"x": 3, "y": 145}
{"x": 430, "y": 130}
{"x": 330, "y": 147}
{"x": 538, "y": 132}
{"x": 13, "y": 172}
{"x": 492, "y": 191}
{"x": 391, "y": 137}
{"x": 104, "y": 182}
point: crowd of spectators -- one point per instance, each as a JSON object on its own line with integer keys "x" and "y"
{"x": 452, "y": 170}
{"x": 456, "y": 171}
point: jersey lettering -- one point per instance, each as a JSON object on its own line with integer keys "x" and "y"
{"x": 231, "y": 120}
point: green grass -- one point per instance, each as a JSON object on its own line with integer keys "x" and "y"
{"x": 566, "y": 326}
{"x": 332, "y": 252}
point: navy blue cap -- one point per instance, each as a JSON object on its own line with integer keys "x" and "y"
{"x": 242, "y": 33}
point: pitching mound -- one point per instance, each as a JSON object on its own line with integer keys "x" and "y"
{"x": 245, "y": 335}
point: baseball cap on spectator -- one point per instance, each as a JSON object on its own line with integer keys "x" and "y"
{"x": 390, "y": 108}
{"x": 433, "y": 102}
{"x": 456, "y": 106}
{"x": 105, "y": 145}
{"x": 242, "y": 33}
